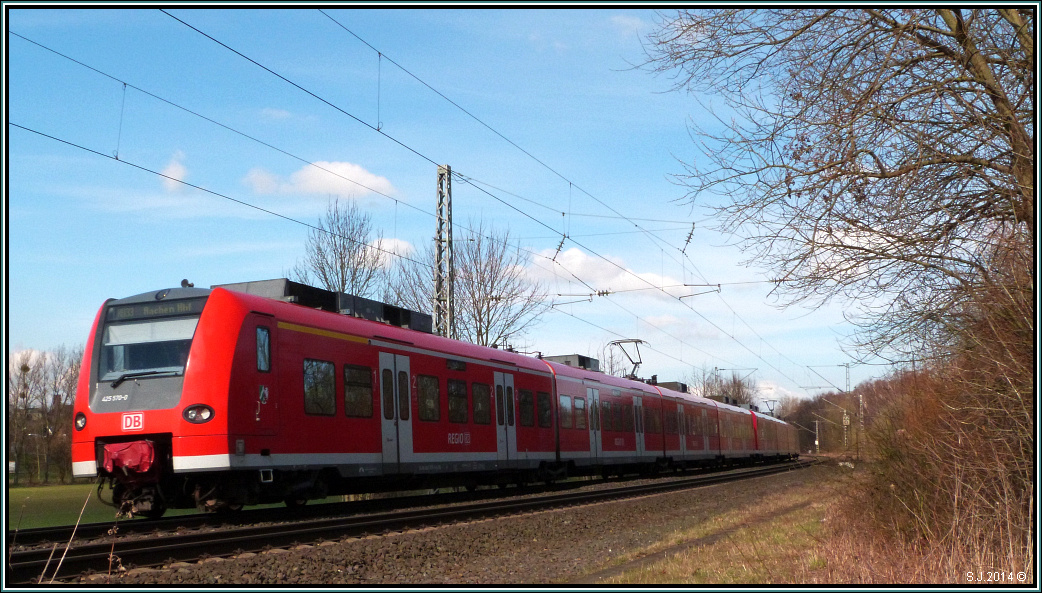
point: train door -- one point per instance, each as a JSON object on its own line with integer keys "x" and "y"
{"x": 638, "y": 424}
{"x": 593, "y": 403}
{"x": 681, "y": 429}
{"x": 705, "y": 429}
{"x": 506, "y": 431}
{"x": 395, "y": 406}
{"x": 261, "y": 390}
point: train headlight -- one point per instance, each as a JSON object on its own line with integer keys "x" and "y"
{"x": 81, "y": 421}
{"x": 198, "y": 414}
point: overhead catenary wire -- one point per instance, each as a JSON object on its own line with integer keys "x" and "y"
{"x": 466, "y": 179}
{"x": 126, "y": 84}
{"x": 432, "y": 161}
{"x": 571, "y": 185}
{"x": 209, "y": 191}
{"x": 273, "y": 147}
{"x": 460, "y": 176}
{"x": 288, "y": 218}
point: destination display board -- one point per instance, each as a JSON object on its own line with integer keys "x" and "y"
{"x": 153, "y": 310}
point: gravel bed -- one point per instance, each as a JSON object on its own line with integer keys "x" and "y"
{"x": 546, "y": 547}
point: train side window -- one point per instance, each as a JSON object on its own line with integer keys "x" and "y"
{"x": 606, "y": 419}
{"x": 358, "y": 391}
{"x": 526, "y": 403}
{"x": 579, "y": 411}
{"x": 627, "y": 418}
{"x": 403, "y": 395}
{"x": 544, "y": 409}
{"x": 319, "y": 387}
{"x": 429, "y": 396}
{"x": 263, "y": 349}
{"x": 671, "y": 422}
{"x": 565, "y": 410}
{"x": 482, "y": 403}
{"x": 510, "y": 405}
{"x": 499, "y": 405}
{"x": 388, "y": 393}
{"x": 594, "y": 413}
{"x": 618, "y": 412}
{"x": 457, "y": 401}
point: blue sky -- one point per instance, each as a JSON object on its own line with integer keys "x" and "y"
{"x": 84, "y": 226}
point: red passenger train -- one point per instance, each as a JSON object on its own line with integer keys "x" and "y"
{"x": 220, "y": 398}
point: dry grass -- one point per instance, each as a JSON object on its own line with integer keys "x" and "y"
{"x": 861, "y": 559}
{"x": 872, "y": 553}
{"x": 817, "y": 534}
{"x": 776, "y": 542}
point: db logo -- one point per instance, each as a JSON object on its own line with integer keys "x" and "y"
{"x": 133, "y": 421}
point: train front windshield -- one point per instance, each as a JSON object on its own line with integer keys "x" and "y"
{"x": 159, "y": 345}
{"x": 147, "y": 338}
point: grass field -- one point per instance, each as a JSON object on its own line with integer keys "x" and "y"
{"x": 46, "y": 506}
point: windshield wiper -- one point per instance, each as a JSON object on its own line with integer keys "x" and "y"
{"x": 126, "y": 376}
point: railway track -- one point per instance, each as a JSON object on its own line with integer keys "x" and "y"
{"x": 46, "y": 564}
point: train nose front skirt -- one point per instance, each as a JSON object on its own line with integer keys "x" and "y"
{"x": 135, "y": 456}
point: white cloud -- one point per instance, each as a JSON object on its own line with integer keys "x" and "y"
{"x": 239, "y": 248}
{"x": 388, "y": 247}
{"x": 175, "y": 169}
{"x": 629, "y": 25}
{"x": 323, "y": 178}
{"x": 541, "y": 44}
{"x": 769, "y": 390}
{"x": 159, "y": 205}
{"x": 602, "y": 274}
{"x": 262, "y": 182}
{"x": 682, "y": 329}
{"x": 272, "y": 113}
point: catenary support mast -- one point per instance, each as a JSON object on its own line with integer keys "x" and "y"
{"x": 445, "y": 272}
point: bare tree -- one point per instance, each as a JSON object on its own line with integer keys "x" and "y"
{"x": 25, "y": 386}
{"x": 614, "y": 363}
{"x": 873, "y": 154}
{"x": 786, "y": 406}
{"x": 411, "y": 282}
{"x": 61, "y": 372}
{"x": 340, "y": 254}
{"x": 41, "y": 388}
{"x": 887, "y": 156}
{"x": 496, "y": 301}
{"x": 704, "y": 382}
{"x": 739, "y": 390}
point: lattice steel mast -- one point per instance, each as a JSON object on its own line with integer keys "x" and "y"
{"x": 445, "y": 271}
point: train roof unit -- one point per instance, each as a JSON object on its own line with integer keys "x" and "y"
{"x": 283, "y": 289}
{"x": 577, "y": 360}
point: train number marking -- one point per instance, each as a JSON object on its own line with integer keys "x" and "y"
{"x": 115, "y": 398}
{"x": 459, "y": 438}
{"x": 133, "y": 422}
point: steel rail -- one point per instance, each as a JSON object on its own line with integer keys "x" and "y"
{"x": 27, "y": 566}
